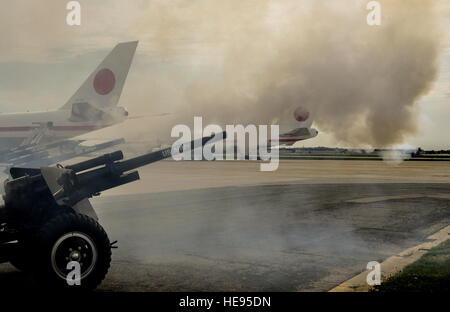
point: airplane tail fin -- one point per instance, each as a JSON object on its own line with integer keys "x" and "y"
{"x": 299, "y": 118}
{"x": 104, "y": 85}
{"x": 303, "y": 117}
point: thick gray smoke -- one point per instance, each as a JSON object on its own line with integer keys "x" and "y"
{"x": 252, "y": 61}
{"x": 360, "y": 82}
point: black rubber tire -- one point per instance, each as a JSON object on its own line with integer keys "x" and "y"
{"x": 54, "y": 230}
{"x": 21, "y": 259}
{"x": 19, "y": 264}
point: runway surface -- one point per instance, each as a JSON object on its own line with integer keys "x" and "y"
{"x": 308, "y": 227}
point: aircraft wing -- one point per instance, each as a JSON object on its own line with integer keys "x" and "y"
{"x": 37, "y": 151}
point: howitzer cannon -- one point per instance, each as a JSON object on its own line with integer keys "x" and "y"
{"x": 47, "y": 224}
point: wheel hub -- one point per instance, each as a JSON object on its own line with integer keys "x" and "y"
{"x": 75, "y": 256}
{"x": 74, "y": 246}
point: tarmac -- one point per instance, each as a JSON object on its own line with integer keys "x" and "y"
{"x": 226, "y": 226}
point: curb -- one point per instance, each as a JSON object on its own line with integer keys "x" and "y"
{"x": 394, "y": 264}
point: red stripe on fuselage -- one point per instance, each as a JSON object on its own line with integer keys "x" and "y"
{"x": 288, "y": 140}
{"x": 56, "y": 128}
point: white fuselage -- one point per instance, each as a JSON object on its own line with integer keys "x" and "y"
{"x": 16, "y": 127}
{"x": 91, "y": 107}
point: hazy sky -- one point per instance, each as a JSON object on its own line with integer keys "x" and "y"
{"x": 43, "y": 60}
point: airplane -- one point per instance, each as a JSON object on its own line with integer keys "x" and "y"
{"x": 303, "y": 119}
{"x": 293, "y": 128}
{"x": 26, "y": 137}
{"x": 92, "y": 109}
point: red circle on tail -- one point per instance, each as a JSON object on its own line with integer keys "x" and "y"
{"x": 104, "y": 81}
{"x": 301, "y": 114}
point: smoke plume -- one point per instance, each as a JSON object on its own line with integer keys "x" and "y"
{"x": 360, "y": 82}
{"x": 248, "y": 61}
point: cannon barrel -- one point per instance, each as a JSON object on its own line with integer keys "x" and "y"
{"x": 114, "y": 174}
{"x": 146, "y": 159}
{"x": 95, "y": 162}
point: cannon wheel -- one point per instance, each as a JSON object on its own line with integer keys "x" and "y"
{"x": 72, "y": 237}
{"x": 21, "y": 260}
